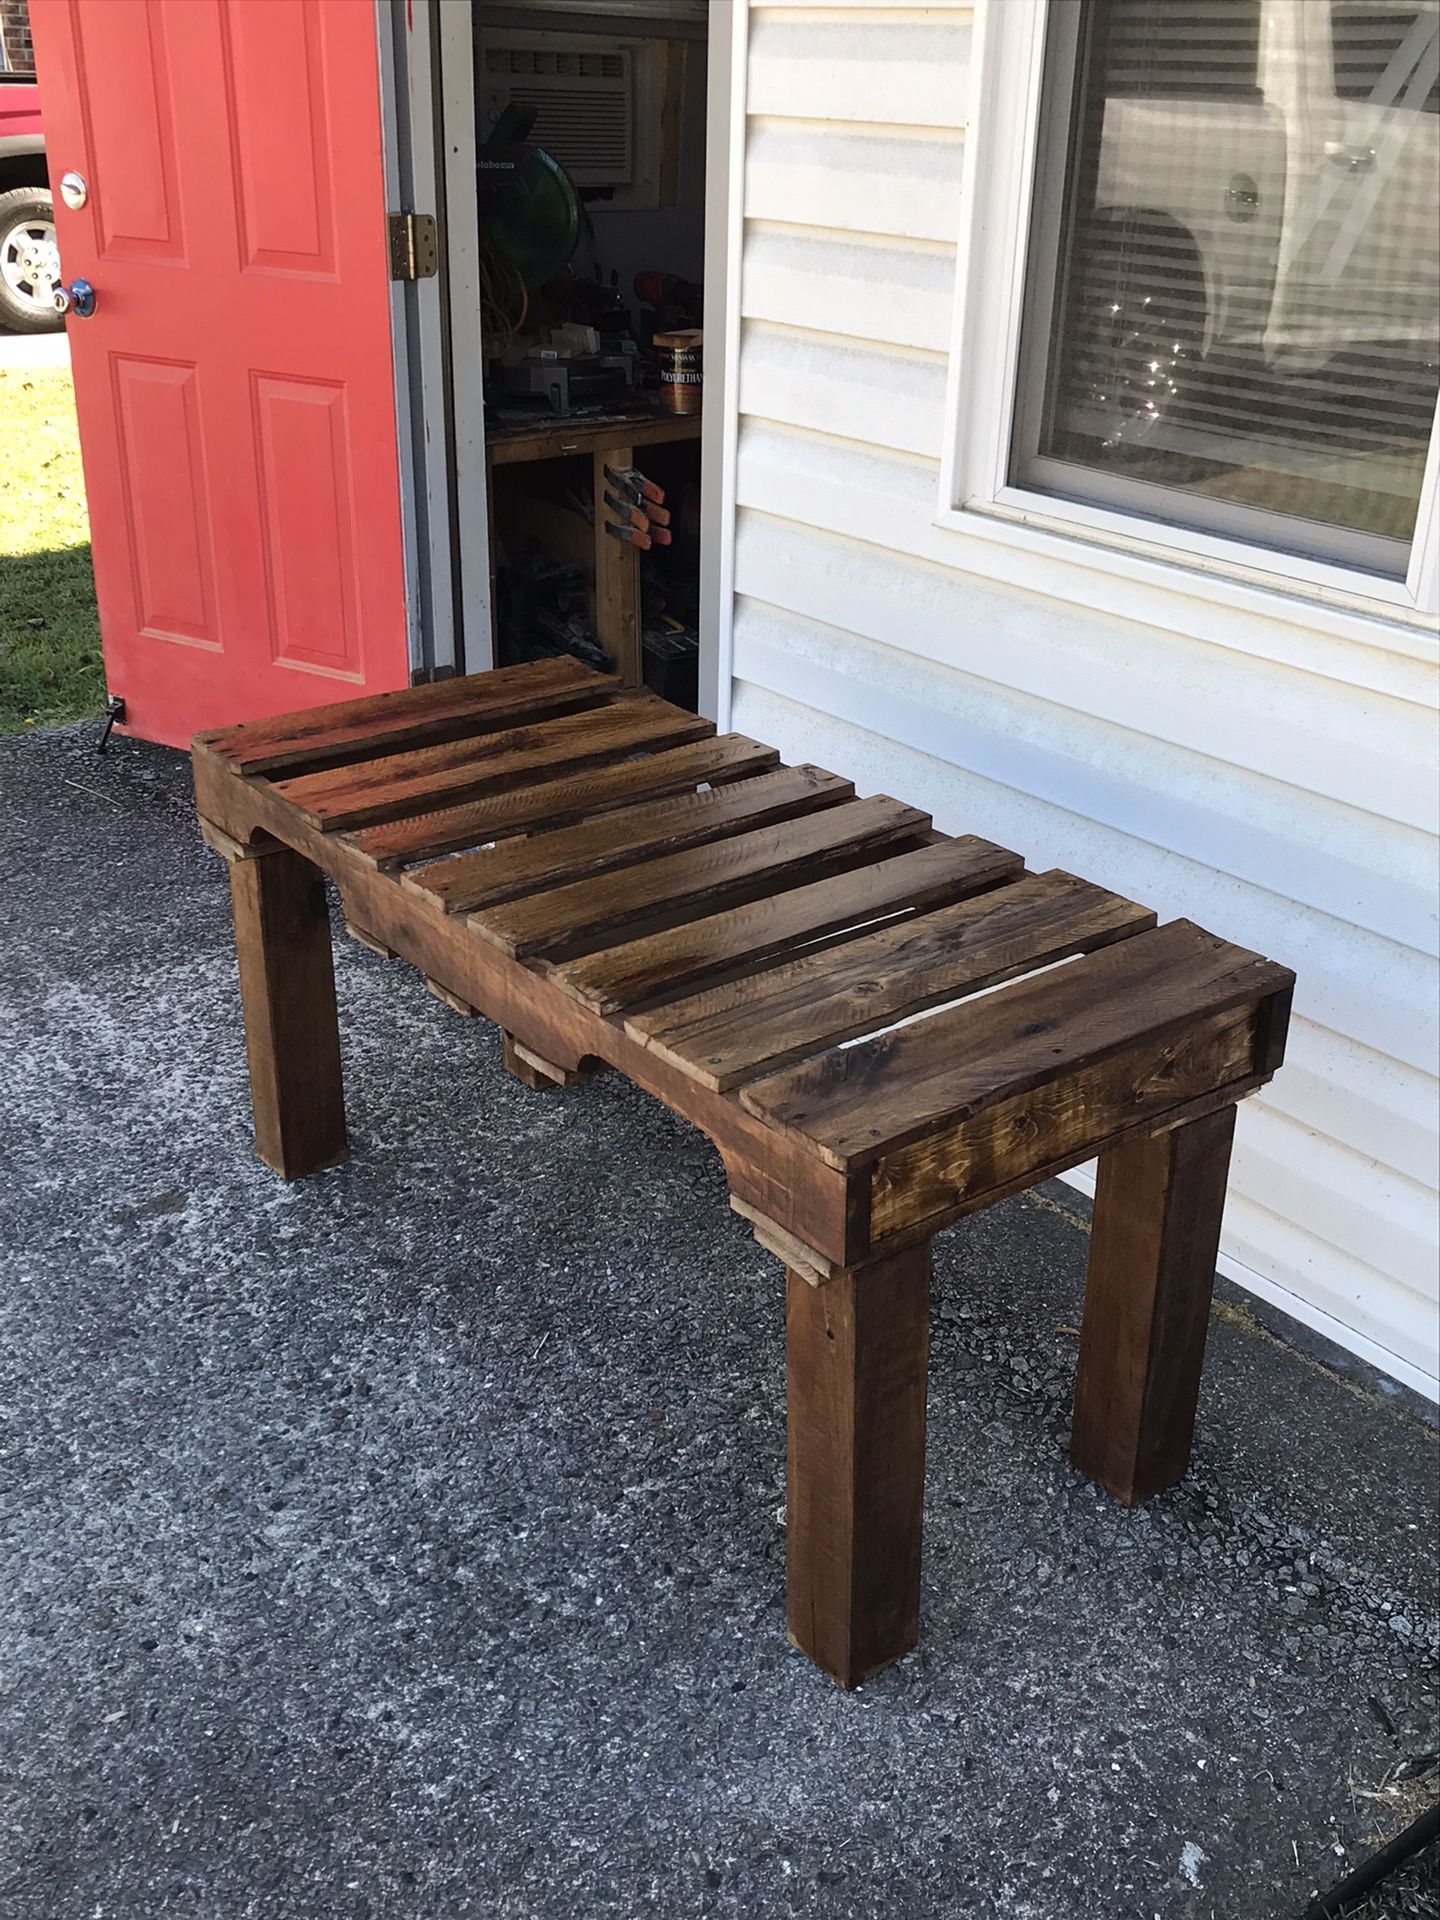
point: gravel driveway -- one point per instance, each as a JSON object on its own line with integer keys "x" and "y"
{"x": 407, "y": 1544}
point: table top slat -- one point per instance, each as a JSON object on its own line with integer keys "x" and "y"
{"x": 881, "y": 1094}
{"x": 409, "y": 717}
{"x": 415, "y": 782}
{"x": 676, "y": 887}
{"x": 545, "y": 860}
{"x": 757, "y": 1025}
{"x": 595, "y": 793}
{"x": 744, "y": 939}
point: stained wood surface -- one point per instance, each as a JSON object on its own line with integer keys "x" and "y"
{"x": 723, "y": 946}
{"x": 221, "y": 842}
{"x": 754, "y": 1026}
{"x": 561, "y": 439}
{"x": 364, "y": 938}
{"x": 744, "y": 932}
{"x": 741, "y": 947}
{"x": 292, "y": 1034}
{"x": 615, "y": 574}
{"x": 791, "y": 1253}
{"x": 658, "y": 892}
{"x": 856, "y": 1354}
{"x": 531, "y": 1069}
{"x": 881, "y": 1094}
{"x": 409, "y": 717}
{"x": 516, "y": 867}
{"x": 373, "y": 790}
{"x": 1153, "y": 1247}
{"x": 1043, "y": 1130}
{"x": 552, "y": 803}
{"x": 452, "y": 1000}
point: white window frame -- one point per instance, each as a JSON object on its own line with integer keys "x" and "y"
{"x": 1113, "y": 552}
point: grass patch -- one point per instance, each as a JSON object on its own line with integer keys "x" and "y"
{"x": 50, "y": 668}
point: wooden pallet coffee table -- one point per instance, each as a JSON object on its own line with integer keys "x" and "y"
{"x": 615, "y": 886}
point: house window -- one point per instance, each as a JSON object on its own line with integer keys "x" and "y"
{"x": 1231, "y": 315}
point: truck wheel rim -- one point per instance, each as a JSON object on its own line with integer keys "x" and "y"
{"x": 30, "y": 262}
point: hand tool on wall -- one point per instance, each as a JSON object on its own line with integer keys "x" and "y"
{"x": 626, "y": 511}
{"x": 631, "y": 480}
{"x": 641, "y": 518}
{"x": 629, "y": 536}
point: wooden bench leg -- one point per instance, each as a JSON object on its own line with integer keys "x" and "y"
{"x": 1153, "y": 1247}
{"x": 292, "y": 1033}
{"x": 856, "y": 1354}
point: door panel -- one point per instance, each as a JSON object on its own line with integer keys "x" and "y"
{"x": 235, "y": 386}
{"x": 276, "y": 107}
{"x": 309, "y": 493}
{"x": 162, "y": 478}
{"x": 131, "y": 135}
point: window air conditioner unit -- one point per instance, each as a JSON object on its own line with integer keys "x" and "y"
{"x": 583, "y": 97}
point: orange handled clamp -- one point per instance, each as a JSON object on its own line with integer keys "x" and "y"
{"x": 630, "y": 535}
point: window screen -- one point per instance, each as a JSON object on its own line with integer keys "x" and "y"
{"x": 1377, "y": 50}
{"x": 1233, "y": 303}
{"x": 1184, "y": 47}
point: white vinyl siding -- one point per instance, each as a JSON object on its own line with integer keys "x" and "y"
{"x": 1281, "y": 790}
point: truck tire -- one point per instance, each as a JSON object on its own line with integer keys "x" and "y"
{"x": 29, "y": 261}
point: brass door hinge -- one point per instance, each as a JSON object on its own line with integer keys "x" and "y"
{"x": 414, "y": 249}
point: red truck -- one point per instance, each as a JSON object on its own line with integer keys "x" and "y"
{"x": 29, "y": 257}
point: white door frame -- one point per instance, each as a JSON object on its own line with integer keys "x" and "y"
{"x": 466, "y": 413}
{"x": 428, "y": 129}
{"x": 409, "y": 140}
{"x": 724, "y": 240}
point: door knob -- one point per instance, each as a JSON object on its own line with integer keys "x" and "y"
{"x": 1354, "y": 159}
{"x": 1242, "y": 197}
{"x": 78, "y": 298}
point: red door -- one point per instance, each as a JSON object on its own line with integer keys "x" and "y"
{"x": 234, "y": 386}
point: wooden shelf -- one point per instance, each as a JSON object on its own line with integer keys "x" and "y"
{"x": 610, "y": 440}
{"x": 557, "y": 439}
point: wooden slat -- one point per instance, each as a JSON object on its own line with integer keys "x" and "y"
{"x": 555, "y": 803}
{"x": 409, "y": 717}
{"x": 541, "y": 860}
{"x": 859, "y": 1102}
{"x": 734, "y": 1033}
{"x": 724, "y": 946}
{"x": 704, "y": 879}
{"x": 404, "y": 783}
{"x": 1147, "y": 1088}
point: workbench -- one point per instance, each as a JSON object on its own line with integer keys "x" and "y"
{"x": 614, "y": 567}
{"x": 866, "y": 1016}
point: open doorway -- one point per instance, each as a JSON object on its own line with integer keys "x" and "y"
{"x": 582, "y": 298}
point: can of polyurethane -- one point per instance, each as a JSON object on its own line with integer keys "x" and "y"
{"x": 681, "y": 370}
